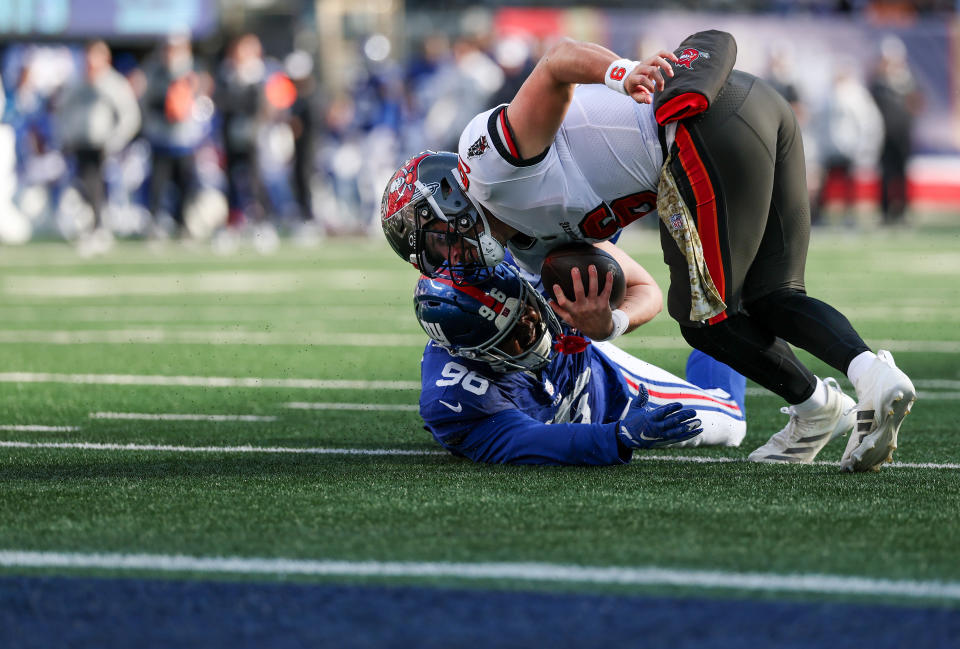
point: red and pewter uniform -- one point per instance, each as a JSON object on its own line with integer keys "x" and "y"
{"x": 599, "y": 175}
{"x": 740, "y": 168}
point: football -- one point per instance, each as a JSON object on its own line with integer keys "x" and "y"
{"x": 560, "y": 261}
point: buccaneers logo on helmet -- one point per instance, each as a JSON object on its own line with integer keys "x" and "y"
{"x": 401, "y": 188}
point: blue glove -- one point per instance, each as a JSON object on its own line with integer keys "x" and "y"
{"x": 658, "y": 426}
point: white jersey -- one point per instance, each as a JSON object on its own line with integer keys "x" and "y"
{"x": 599, "y": 175}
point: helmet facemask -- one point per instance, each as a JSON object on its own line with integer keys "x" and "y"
{"x": 431, "y": 221}
{"x": 455, "y": 244}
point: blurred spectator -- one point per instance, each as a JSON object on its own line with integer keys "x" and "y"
{"x": 459, "y": 89}
{"x": 850, "y": 133}
{"x": 299, "y": 67}
{"x": 240, "y": 86}
{"x": 97, "y": 116}
{"x": 780, "y": 75}
{"x": 515, "y": 58}
{"x": 176, "y": 121}
{"x": 895, "y": 92}
{"x": 39, "y": 74}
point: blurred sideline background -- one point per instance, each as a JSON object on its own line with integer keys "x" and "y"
{"x": 244, "y": 121}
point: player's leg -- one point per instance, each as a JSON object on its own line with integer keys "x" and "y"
{"x": 755, "y": 258}
{"x": 711, "y": 157}
{"x": 710, "y": 374}
{"x": 722, "y": 417}
{"x": 820, "y": 411}
{"x": 775, "y": 297}
{"x": 774, "y": 292}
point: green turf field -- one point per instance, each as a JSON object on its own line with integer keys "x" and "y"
{"x": 91, "y": 349}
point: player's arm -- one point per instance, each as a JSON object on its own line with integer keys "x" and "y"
{"x": 513, "y": 437}
{"x": 642, "y": 300}
{"x": 537, "y": 110}
{"x": 590, "y": 310}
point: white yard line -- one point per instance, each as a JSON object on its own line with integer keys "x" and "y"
{"x": 198, "y": 314}
{"x": 173, "y": 448}
{"x": 937, "y": 384}
{"x": 217, "y": 282}
{"x": 923, "y": 395}
{"x": 636, "y": 344}
{"x": 700, "y": 459}
{"x": 160, "y": 335}
{"x": 35, "y": 428}
{"x": 148, "y": 416}
{"x": 302, "y": 405}
{"x": 537, "y": 572}
{"x": 320, "y": 384}
{"x": 203, "y": 381}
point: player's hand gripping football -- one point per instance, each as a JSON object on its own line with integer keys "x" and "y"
{"x": 589, "y": 311}
{"x": 647, "y": 78}
{"x": 653, "y": 427}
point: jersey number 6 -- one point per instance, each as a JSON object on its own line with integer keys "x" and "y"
{"x": 602, "y": 222}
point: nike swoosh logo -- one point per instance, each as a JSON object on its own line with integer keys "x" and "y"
{"x": 456, "y": 408}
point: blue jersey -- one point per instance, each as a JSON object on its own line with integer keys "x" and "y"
{"x": 566, "y": 414}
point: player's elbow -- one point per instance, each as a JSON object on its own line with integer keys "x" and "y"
{"x": 646, "y": 302}
{"x": 562, "y": 46}
{"x": 656, "y": 299}
{"x": 559, "y": 56}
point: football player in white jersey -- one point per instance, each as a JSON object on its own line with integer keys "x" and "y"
{"x": 571, "y": 160}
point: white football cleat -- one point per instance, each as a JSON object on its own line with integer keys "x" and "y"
{"x": 803, "y": 437}
{"x": 886, "y": 395}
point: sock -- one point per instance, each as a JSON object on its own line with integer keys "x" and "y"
{"x": 859, "y": 365}
{"x": 815, "y": 402}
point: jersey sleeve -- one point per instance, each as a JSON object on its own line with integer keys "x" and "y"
{"x": 470, "y": 413}
{"x": 545, "y": 197}
{"x": 489, "y": 140}
{"x": 494, "y": 173}
{"x": 511, "y": 437}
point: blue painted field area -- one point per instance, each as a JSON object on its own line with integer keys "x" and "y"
{"x": 82, "y": 612}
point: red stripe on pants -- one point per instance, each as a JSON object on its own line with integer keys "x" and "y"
{"x": 706, "y": 198}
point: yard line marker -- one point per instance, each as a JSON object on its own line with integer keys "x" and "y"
{"x": 938, "y": 384}
{"x": 147, "y": 416}
{"x": 701, "y": 459}
{"x": 302, "y": 405}
{"x": 34, "y": 428}
{"x": 207, "y": 314}
{"x": 172, "y": 448}
{"x": 203, "y": 381}
{"x": 923, "y": 395}
{"x": 537, "y": 572}
{"x": 159, "y": 335}
{"x": 204, "y": 282}
{"x": 675, "y": 342}
{"x": 315, "y": 384}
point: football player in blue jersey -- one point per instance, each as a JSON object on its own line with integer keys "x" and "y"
{"x": 504, "y": 381}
